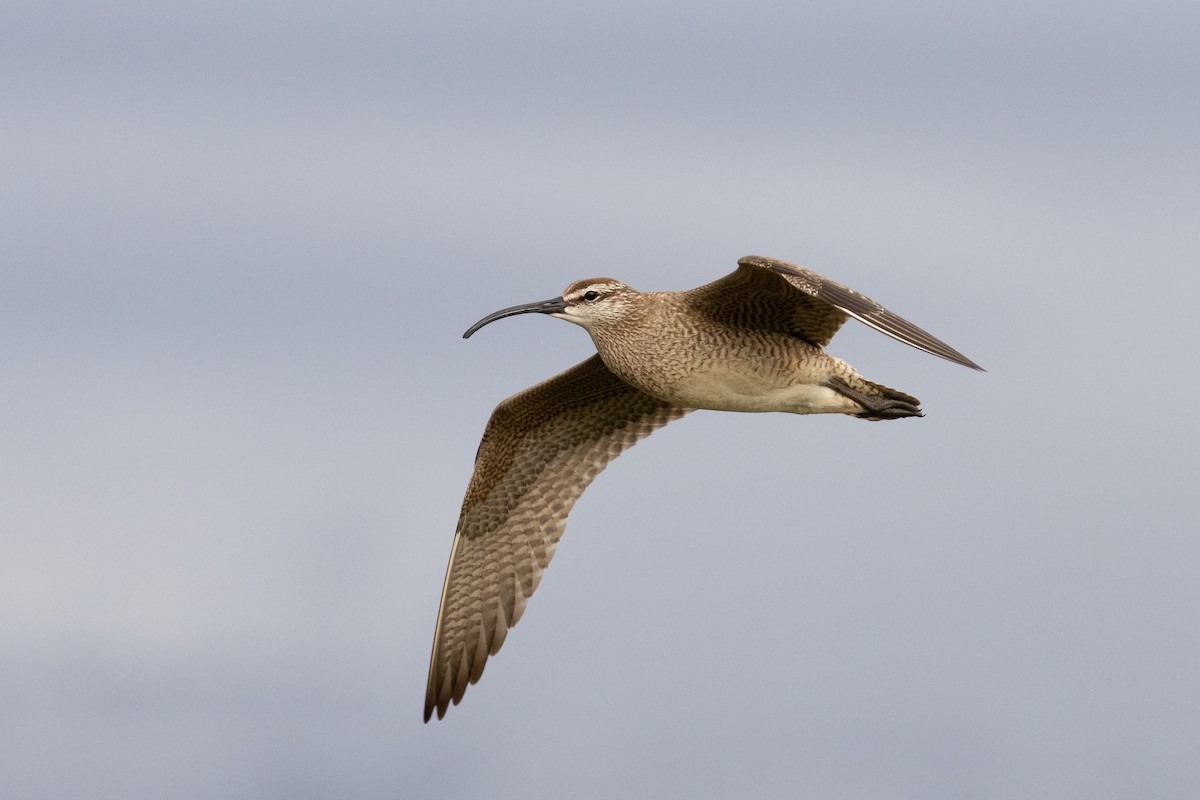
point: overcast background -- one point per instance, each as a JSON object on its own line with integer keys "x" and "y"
{"x": 240, "y": 243}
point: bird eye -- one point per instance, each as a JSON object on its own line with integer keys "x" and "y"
{"x": 590, "y": 295}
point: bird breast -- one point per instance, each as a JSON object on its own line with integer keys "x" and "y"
{"x": 729, "y": 370}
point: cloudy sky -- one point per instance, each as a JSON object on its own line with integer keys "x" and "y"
{"x": 240, "y": 243}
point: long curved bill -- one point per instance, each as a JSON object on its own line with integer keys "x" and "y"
{"x": 552, "y": 306}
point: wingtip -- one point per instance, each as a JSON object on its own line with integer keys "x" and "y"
{"x": 966, "y": 362}
{"x": 430, "y": 707}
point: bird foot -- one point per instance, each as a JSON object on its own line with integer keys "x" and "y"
{"x": 888, "y": 404}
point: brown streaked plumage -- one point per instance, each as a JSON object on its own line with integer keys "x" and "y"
{"x": 751, "y": 341}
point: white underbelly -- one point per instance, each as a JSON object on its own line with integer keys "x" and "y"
{"x": 723, "y": 390}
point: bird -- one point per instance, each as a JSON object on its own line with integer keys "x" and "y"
{"x": 752, "y": 341}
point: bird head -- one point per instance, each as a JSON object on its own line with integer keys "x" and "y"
{"x": 587, "y": 303}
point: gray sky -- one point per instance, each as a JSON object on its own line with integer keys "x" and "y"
{"x": 241, "y": 243}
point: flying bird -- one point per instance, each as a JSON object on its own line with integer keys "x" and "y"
{"x": 751, "y": 341}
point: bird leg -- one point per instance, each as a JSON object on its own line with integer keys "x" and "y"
{"x": 887, "y": 404}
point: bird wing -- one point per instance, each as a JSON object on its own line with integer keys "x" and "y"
{"x": 765, "y": 289}
{"x": 540, "y": 450}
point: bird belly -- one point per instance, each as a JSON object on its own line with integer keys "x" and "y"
{"x": 721, "y": 388}
{"x": 729, "y": 369}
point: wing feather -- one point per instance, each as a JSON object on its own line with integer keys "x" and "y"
{"x": 540, "y": 450}
{"x": 763, "y": 292}
{"x": 859, "y": 306}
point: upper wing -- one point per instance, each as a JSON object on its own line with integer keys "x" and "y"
{"x": 540, "y": 450}
{"x": 766, "y": 288}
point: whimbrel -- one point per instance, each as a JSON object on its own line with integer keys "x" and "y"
{"x": 752, "y": 341}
